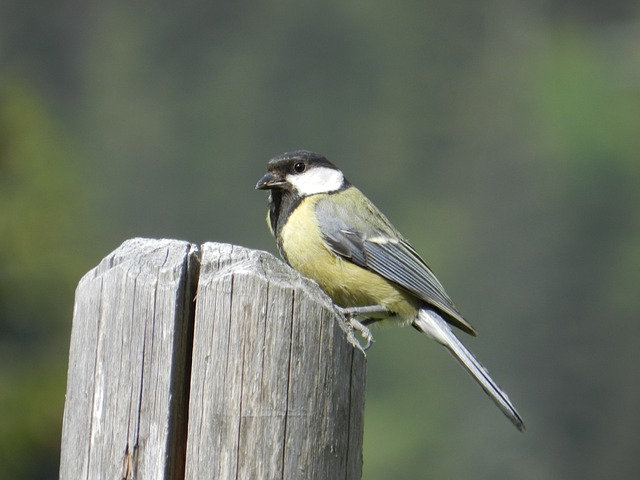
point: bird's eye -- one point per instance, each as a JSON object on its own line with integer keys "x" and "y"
{"x": 299, "y": 167}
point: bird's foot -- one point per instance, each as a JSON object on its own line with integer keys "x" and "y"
{"x": 353, "y": 312}
{"x": 364, "y": 331}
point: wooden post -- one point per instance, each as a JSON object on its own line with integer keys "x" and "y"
{"x": 258, "y": 379}
{"x": 276, "y": 389}
{"x": 124, "y": 413}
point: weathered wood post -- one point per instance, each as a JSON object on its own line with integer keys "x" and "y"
{"x": 255, "y": 379}
{"x": 124, "y": 413}
{"x": 276, "y": 389}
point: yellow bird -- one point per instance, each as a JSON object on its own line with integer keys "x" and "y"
{"x": 326, "y": 229}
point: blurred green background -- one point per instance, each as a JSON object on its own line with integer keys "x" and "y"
{"x": 502, "y": 138}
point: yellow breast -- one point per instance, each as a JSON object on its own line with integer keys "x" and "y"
{"x": 346, "y": 283}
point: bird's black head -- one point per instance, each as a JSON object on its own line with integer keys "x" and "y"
{"x": 302, "y": 173}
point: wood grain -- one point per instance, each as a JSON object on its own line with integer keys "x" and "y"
{"x": 128, "y": 364}
{"x": 258, "y": 378}
{"x": 276, "y": 390}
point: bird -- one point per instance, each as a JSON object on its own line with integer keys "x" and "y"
{"x": 329, "y": 231}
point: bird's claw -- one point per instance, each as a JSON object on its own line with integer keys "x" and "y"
{"x": 351, "y": 313}
{"x": 364, "y": 331}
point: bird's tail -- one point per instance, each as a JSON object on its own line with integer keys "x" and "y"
{"x": 432, "y": 324}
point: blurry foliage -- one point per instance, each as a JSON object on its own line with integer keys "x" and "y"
{"x": 40, "y": 201}
{"x": 502, "y": 139}
{"x": 41, "y": 245}
{"x": 588, "y": 112}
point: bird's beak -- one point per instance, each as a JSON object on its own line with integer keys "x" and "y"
{"x": 268, "y": 181}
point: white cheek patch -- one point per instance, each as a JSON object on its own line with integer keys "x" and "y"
{"x": 316, "y": 180}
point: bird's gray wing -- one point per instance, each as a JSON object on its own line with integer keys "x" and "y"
{"x": 381, "y": 249}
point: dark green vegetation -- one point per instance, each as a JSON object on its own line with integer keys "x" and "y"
{"x": 503, "y": 141}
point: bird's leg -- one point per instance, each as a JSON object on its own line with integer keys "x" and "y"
{"x": 352, "y": 312}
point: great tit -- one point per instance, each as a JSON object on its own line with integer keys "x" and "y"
{"x": 326, "y": 229}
